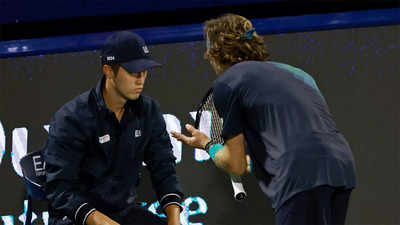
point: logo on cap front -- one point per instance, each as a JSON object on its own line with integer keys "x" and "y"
{"x": 110, "y": 58}
{"x": 145, "y": 49}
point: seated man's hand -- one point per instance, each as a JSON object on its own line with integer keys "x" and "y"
{"x": 98, "y": 218}
{"x": 173, "y": 213}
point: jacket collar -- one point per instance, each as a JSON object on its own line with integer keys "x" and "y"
{"x": 101, "y": 104}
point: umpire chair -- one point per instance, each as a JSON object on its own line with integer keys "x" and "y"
{"x": 33, "y": 170}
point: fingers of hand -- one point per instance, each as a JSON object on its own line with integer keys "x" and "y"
{"x": 175, "y": 134}
{"x": 179, "y": 136}
{"x": 182, "y": 137}
{"x": 190, "y": 128}
{"x": 195, "y": 140}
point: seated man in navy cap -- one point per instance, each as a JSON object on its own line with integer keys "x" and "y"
{"x": 98, "y": 142}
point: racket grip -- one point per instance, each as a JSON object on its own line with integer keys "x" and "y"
{"x": 238, "y": 190}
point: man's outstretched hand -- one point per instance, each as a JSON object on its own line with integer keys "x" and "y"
{"x": 197, "y": 140}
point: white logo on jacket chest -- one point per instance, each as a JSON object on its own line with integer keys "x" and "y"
{"x": 138, "y": 133}
{"x": 104, "y": 139}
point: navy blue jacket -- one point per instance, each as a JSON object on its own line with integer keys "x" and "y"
{"x": 291, "y": 136}
{"x": 93, "y": 161}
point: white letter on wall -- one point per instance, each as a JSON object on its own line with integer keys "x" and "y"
{"x": 2, "y": 141}
{"x": 174, "y": 124}
{"x": 19, "y": 147}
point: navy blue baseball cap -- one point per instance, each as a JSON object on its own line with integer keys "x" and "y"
{"x": 129, "y": 50}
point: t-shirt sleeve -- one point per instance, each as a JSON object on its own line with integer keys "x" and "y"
{"x": 228, "y": 104}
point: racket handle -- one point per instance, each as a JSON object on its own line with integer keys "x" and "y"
{"x": 238, "y": 190}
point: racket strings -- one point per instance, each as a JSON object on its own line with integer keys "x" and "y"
{"x": 216, "y": 120}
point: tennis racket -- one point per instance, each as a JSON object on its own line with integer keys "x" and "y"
{"x": 207, "y": 105}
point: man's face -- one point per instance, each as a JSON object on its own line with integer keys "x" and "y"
{"x": 129, "y": 85}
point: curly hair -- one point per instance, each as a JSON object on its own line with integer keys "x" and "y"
{"x": 229, "y": 42}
